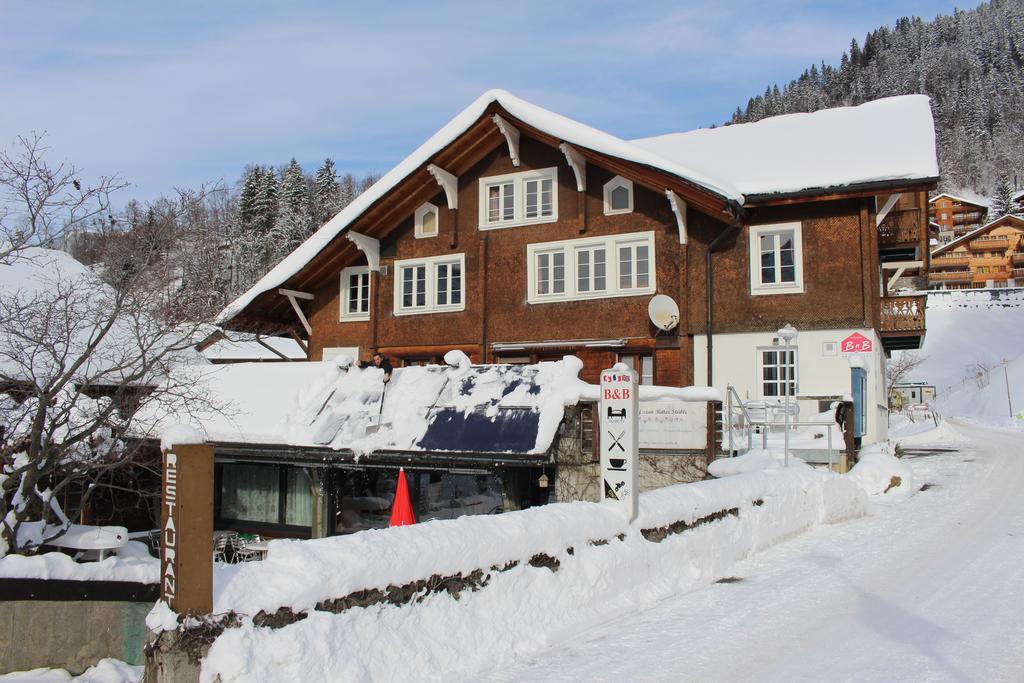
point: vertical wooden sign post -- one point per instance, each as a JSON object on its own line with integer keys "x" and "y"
{"x": 186, "y": 529}
{"x": 619, "y": 419}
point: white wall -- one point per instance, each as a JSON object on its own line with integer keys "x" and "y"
{"x": 818, "y": 372}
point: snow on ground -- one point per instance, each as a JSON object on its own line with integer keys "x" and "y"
{"x": 520, "y": 610}
{"x": 105, "y": 671}
{"x": 968, "y": 329}
{"x": 929, "y": 589}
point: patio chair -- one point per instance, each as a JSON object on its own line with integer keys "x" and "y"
{"x": 243, "y": 550}
{"x": 220, "y": 549}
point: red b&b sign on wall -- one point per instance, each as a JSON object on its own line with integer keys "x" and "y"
{"x": 856, "y": 343}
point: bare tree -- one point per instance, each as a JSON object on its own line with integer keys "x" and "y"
{"x": 80, "y": 361}
{"x": 897, "y": 369}
{"x": 41, "y": 203}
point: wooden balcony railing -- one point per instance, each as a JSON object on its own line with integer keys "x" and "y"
{"x": 948, "y": 260}
{"x": 1018, "y": 273}
{"x": 1017, "y": 257}
{"x": 903, "y": 226}
{"x": 990, "y": 243}
{"x": 903, "y": 313}
{"x": 950, "y": 276}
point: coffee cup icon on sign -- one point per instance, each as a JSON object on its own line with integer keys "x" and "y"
{"x": 617, "y": 464}
{"x": 616, "y": 415}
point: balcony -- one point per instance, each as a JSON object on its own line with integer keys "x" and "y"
{"x": 986, "y": 242}
{"x": 950, "y": 276}
{"x": 1018, "y": 273}
{"x": 1017, "y": 258}
{"x": 947, "y": 260}
{"x": 902, "y": 322}
{"x": 902, "y": 226}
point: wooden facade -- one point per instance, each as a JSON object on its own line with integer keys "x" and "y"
{"x": 991, "y": 256}
{"x": 955, "y": 216}
{"x": 842, "y": 250}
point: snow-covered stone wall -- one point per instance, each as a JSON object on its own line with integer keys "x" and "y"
{"x": 498, "y": 586}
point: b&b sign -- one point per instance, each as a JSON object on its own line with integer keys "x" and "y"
{"x": 619, "y": 408}
{"x": 855, "y": 343}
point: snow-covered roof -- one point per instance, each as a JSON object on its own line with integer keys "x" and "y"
{"x": 240, "y": 347}
{"x": 977, "y": 231}
{"x": 458, "y": 407}
{"x": 889, "y": 139}
{"x": 964, "y": 197}
{"x": 884, "y": 140}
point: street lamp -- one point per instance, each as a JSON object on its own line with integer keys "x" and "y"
{"x": 788, "y": 333}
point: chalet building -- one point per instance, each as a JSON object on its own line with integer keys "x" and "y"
{"x": 991, "y": 256}
{"x": 956, "y": 216}
{"x": 517, "y": 236}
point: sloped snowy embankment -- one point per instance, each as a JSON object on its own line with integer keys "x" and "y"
{"x": 605, "y": 568}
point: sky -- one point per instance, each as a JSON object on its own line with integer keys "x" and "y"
{"x": 175, "y": 95}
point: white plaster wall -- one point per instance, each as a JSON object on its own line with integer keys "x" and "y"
{"x": 818, "y": 374}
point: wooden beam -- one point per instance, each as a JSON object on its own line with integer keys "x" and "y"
{"x": 298, "y": 295}
{"x": 448, "y": 182}
{"x": 511, "y": 134}
{"x": 887, "y": 207}
{"x": 298, "y": 310}
{"x": 578, "y": 165}
{"x": 678, "y": 207}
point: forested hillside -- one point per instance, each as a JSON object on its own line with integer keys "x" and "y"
{"x": 972, "y": 66}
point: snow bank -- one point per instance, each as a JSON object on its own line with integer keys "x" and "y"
{"x": 131, "y": 563}
{"x": 882, "y": 475}
{"x": 686, "y": 536}
{"x": 754, "y": 460}
{"x": 105, "y": 671}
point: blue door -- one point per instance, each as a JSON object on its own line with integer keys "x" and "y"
{"x": 860, "y": 401}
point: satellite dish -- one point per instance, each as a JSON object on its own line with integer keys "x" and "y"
{"x": 663, "y": 311}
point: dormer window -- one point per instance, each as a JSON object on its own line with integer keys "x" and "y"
{"x": 618, "y": 196}
{"x": 519, "y": 199}
{"x": 426, "y": 221}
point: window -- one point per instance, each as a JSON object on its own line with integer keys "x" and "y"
{"x": 591, "y": 268}
{"x": 264, "y": 494}
{"x": 431, "y": 285}
{"x": 776, "y": 259}
{"x": 618, "y": 196}
{"x": 355, "y": 293}
{"x": 426, "y": 220}
{"x": 778, "y": 372}
{"x": 641, "y": 364}
{"x": 519, "y": 199}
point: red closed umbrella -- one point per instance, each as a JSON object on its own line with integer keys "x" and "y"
{"x": 401, "y": 507}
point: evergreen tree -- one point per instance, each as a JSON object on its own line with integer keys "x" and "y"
{"x": 1002, "y": 203}
{"x": 327, "y": 193}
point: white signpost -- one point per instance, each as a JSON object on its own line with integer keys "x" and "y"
{"x": 619, "y": 422}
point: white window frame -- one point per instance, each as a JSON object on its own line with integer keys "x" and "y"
{"x": 570, "y": 248}
{"x": 519, "y": 181}
{"x": 616, "y": 182}
{"x": 424, "y": 209}
{"x": 343, "y": 314}
{"x": 431, "y": 265}
{"x": 757, "y": 288}
{"x": 645, "y": 371}
{"x": 778, "y": 382}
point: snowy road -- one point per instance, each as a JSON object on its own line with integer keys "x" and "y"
{"x": 930, "y": 589}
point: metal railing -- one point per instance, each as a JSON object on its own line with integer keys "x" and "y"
{"x": 750, "y": 427}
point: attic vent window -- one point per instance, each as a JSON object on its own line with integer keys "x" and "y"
{"x": 618, "y": 196}
{"x": 426, "y": 221}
